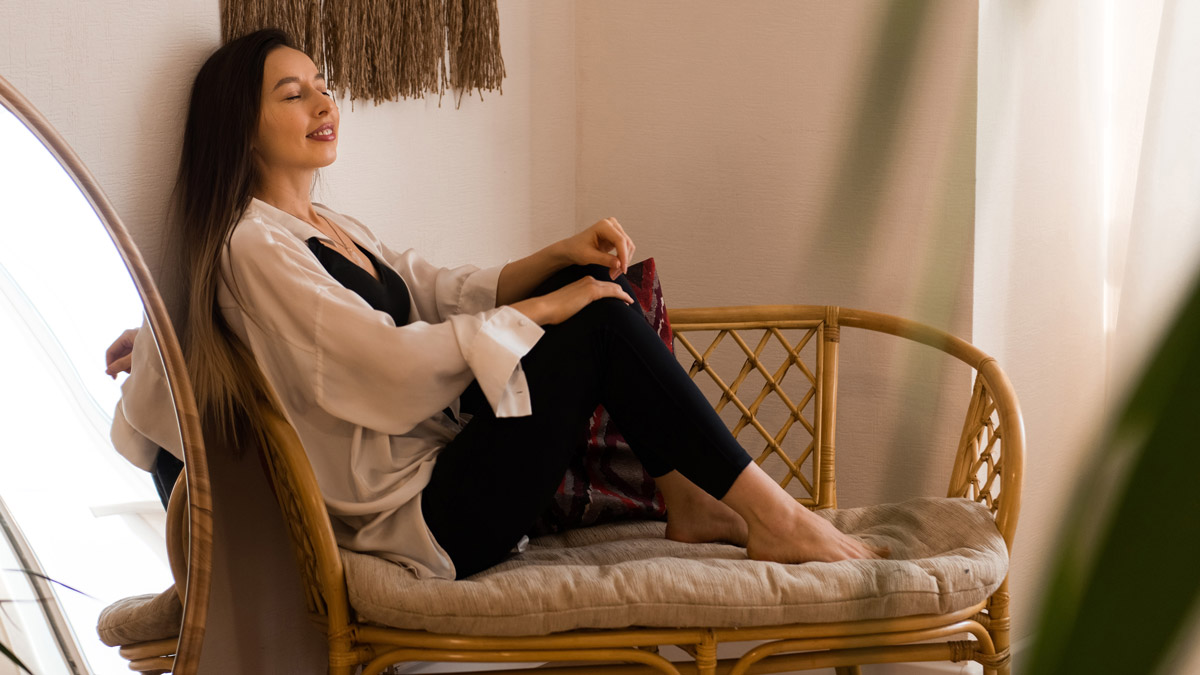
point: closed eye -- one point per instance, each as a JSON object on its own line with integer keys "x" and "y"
{"x": 324, "y": 93}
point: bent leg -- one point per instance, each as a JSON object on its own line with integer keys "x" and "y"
{"x": 496, "y": 477}
{"x": 493, "y": 480}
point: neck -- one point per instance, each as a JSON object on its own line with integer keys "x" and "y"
{"x": 288, "y": 193}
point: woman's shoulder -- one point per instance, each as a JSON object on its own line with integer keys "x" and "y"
{"x": 260, "y": 237}
{"x": 256, "y": 229}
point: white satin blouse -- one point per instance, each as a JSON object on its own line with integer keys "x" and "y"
{"x": 365, "y": 396}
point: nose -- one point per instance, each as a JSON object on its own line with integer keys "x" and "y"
{"x": 325, "y": 104}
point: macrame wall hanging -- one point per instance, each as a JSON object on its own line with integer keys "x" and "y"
{"x": 385, "y": 49}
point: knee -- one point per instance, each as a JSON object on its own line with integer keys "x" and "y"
{"x": 612, "y": 313}
{"x": 568, "y": 274}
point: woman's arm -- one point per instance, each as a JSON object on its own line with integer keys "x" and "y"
{"x": 520, "y": 277}
{"x": 604, "y": 243}
{"x": 321, "y": 344}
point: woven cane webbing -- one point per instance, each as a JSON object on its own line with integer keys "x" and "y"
{"x": 775, "y": 417}
{"x": 304, "y": 513}
{"x": 981, "y": 462}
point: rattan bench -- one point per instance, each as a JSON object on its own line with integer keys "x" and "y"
{"x": 609, "y": 596}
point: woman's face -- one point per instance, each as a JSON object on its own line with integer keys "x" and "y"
{"x": 298, "y": 121}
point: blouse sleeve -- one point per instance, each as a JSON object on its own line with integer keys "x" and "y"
{"x": 144, "y": 418}
{"x": 327, "y": 345}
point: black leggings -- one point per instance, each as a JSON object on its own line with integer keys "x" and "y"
{"x": 498, "y": 475}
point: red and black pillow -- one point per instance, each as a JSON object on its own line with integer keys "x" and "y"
{"x": 606, "y": 482}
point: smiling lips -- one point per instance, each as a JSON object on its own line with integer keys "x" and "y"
{"x": 324, "y": 132}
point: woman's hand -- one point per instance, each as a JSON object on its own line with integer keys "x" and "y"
{"x": 120, "y": 354}
{"x": 560, "y": 305}
{"x": 604, "y": 243}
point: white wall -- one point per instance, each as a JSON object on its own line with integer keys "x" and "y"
{"x": 481, "y": 183}
{"x": 113, "y": 78}
{"x": 801, "y": 153}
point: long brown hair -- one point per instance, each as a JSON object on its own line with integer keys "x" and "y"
{"x": 213, "y": 189}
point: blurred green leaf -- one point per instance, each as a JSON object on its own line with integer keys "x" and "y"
{"x": 1128, "y": 569}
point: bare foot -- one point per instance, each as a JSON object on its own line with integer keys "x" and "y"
{"x": 706, "y": 522}
{"x": 696, "y": 517}
{"x": 803, "y": 536}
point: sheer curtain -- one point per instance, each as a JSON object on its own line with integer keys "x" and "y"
{"x": 1087, "y": 227}
{"x": 1154, "y": 174}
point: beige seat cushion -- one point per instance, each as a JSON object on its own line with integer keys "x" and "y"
{"x": 141, "y": 618}
{"x": 946, "y": 554}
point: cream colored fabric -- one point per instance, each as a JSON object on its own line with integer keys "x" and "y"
{"x": 946, "y": 555}
{"x": 144, "y": 418}
{"x": 364, "y": 395}
{"x": 141, "y": 618}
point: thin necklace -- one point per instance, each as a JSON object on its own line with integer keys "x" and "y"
{"x": 353, "y": 251}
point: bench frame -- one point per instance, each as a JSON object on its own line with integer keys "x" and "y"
{"x": 987, "y": 468}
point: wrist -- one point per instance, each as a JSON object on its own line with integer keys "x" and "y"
{"x": 556, "y": 256}
{"x": 531, "y": 308}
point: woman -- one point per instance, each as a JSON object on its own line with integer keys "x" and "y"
{"x": 439, "y": 407}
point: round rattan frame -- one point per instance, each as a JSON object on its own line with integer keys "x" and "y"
{"x": 194, "y": 589}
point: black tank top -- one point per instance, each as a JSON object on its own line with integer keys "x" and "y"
{"x": 387, "y": 294}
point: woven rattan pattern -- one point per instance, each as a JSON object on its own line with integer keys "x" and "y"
{"x": 980, "y": 451}
{"x": 286, "y": 494}
{"x": 809, "y": 391}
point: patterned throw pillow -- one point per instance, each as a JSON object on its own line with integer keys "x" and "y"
{"x": 606, "y": 482}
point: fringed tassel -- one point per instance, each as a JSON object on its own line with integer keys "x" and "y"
{"x": 474, "y": 44}
{"x": 385, "y": 49}
{"x": 420, "y": 36}
{"x": 347, "y": 51}
{"x": 332, "y": 48}
{"x": 314, "y": 43}
{"x": 452, "y": 11}
{"x": 239, "y": 17}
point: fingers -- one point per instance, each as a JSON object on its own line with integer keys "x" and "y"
{"x": 622, "y": 243}
{"x": 604, "y": 236}
{"x": 605, "y": 289}
{"x": 596, "y": 257}
{"x": 615, "y": 291}
{"x": 121, "y": 347}
{"x": 121, "y": 365}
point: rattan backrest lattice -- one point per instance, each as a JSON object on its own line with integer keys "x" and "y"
{"x": 773, "y": 380}
{"x": 765, "y": 379}
{"x": 771, "y": 372}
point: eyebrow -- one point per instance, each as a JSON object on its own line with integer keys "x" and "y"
{"x": 289, "y": 80}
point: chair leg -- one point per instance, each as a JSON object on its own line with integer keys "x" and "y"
{"x": 1000, "y": 627}
{"x": 706, "y": 654}
{"x": 848, "y": 670}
